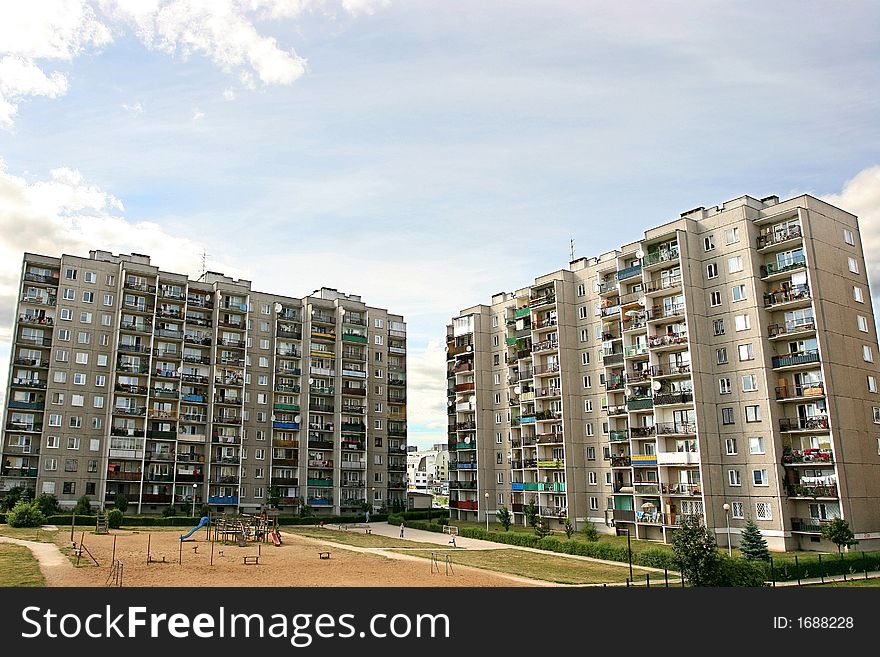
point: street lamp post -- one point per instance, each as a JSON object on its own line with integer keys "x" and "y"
{"x": 195, "y": 486}
{"x": 486, "y": 511}
{"x": 629, "y": 553}
{"x": 726, "y": 508}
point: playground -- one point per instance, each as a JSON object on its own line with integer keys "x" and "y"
{"x": 224, "y": 554}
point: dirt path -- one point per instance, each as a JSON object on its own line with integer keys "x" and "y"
{"x": 53, "y": 564}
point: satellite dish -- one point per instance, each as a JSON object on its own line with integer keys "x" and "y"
{"x": 469, "y": 348}
{"x": 342, "y": 311}
{"x": 311, "y": 381}
{"x": 640, "y": 254}
{"x": 643, "y": 301}
{"x": 449, "y": 403}
{"x": 278, "y": 308}
{"x": 296, "y": 418}
{"x": 516, "y": 389}
{"x": 656, "y": 385}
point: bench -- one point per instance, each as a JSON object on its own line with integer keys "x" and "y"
{"x": 323, "y": 555}
{"x": 253, "y": 561}
{"x": 450, "y": 529}
{"x": 368, "y": 531}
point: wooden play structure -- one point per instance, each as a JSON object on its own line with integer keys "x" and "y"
{"x": 242, "y": 529}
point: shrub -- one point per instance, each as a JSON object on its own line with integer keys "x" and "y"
{"x": 655, "y": 558}
{"x": 114, "y": 518}
{"x": 169, "y": 511}
{"x": 740, "y": 572}
{"x": 590, "y": 532}
{"x": 2, "y": 518}
{"x": 12, "y": 497}
{"x": 569, "y": 528}
{"x": 121, "y": 502}
{"x": 83, "y": 506}
{"x": 26, "y": 514}
{"x": 48, "y": 504}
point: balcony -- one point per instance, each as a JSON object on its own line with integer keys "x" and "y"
{"x": 618, "y": 436}
{"x": 778, "y": 237}
{"x": 661, "y": 313}
{"x": 606, "y": 287}
{"x": 635, "y": 323}
{"x": 636, "y": 351}
{"x": 620, "y": 462}
{"x": 640, "y": 460}
{"x": 463, "y": 485}
{"x": 611, "y": 309}
{"x": 798, "y": 392}
{"x": 539, "y": 370}
{"x": 643, "y": 432}
{"x": 661, "y": 257}
{"x": 542, "y": 299}
{"x": 797, "y": 359}
{"x": 639, "y": 403}
{"x": 662, "y": 285}
{"x": 672, "y": 370}
{"x": 463, "y": 504}
{"x": 811, "y": 491}
{"x": 222, "y": 499}
{"x": 815, "y": 423}
{"x": 629, "y": 272}
{"x": 31, "y": 277}
{"x": 612, "y": 358}
{"x": 793, "y": 296}
{"x": 545, "y": 345}
{"x": 787, "y": 329}
{"x": 353, "y": 337}
{"x": 678, "y": 458}
{"x": 676, "y": 428}
{"x": 40, "y": 300}
{"x": 809, "y": 456}
{"x": 772, "y": 269}
{"x": 29, "y": 383}
{"x": 811, "y": 526}
{"x": 286, "y": 425}
{"x": 619, "y": 409}
{"x": 668, "y": 340}
{"x": 28, "y": 406}
{"x": 671, "y": 398}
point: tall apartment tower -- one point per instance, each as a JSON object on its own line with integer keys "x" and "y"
{"x": 723, "y": 366}
{"x": 128, "y": 380}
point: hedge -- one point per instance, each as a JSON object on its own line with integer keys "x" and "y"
{"x": 2, "y": 518}
{"x": 784, "y": 567}
{"x": 314, "y": 520}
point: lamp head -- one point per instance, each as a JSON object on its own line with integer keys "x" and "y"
{"x": 726, "y": 507}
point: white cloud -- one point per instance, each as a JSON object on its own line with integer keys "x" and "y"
{"x": 135, "y": 109}
{"x": 221, "y": 30}
{"x": 48, "y": 30}
{"x": 198, "y": 115}
{"x": 228, "y": 94}
{"x": 426, "y": 386}
{"x": 356, "y": 7}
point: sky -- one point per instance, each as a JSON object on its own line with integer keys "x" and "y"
{"x": 424, "y": 154}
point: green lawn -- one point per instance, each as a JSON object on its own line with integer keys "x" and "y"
{"x": 18, "y": 567}
{"x": 563, "y": 570}
{"x": 29, "y": 533}
{"x": 852, "y": 582}
{"x": 355, "y": 537}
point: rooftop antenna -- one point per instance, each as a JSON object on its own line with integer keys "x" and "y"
{"x": 571, "y": 250}
{"x": 204, "y": 265}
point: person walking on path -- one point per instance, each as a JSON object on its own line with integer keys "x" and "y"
{"x": 401, "y": 530}
{"x": 367, "y": 514}
{"x": 452, "y": 541}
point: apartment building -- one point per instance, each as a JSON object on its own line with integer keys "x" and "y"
{"x": 128, "y": 380}
{"x": 721, "y": 366}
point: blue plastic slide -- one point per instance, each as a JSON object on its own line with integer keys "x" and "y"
{"x": 204, "y": 521}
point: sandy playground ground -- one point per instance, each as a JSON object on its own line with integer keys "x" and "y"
{"x": 295, "y": 563}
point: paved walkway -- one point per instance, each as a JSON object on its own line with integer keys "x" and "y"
{"x": 47, "y": 555}
{"x": 830, "y": 579}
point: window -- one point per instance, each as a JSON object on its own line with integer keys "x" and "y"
{"x": 872, "y": 384}
{"x": 88, "y": 297}
{"x": 378, "y": 374}
{"x": 853, "y": 265}
{"x": 764, "y": 511}
{"x": 863, "y": 323}
{"x": 727, "y": 416}
{"x": 712, "y": 270}
{"x": 92, "y": 465}
{"x": 69, "y": 294}
{"x": 592, "y": 478}
{"x": 876, "y": 415}
{"x": 753, "y": 413}
{"x": 106, "y": 320}
{"x": 73, "y": 443}
{"x": 715, "y": 298}
{"x": 85, "y": 317}
{"x": 738, "y": 292}
{"x": 756, "y": 445}
{"x": 263, "y": 361}
{"x": 581, "y": 290}
{"x": 90, "y": 277}
{"x": 588, "y": 406}
{"x": 79, "y": 379}
{"x": 52, "y": 442}
{"x": 499, "y": 479}
{"x": 587, "y": 381}
{"x": 75, "y": 422}
{"x": 588, "y": 428}
{"x": 64, "y": 335}
{"x": 82, "y": 358}
{"x": 499, "y": 437}
{"x": 68, "y": 488}
{"x": 264, "y": 343}
{"x": 733, "y": 478}
{"x": 582, "y": 312}
{"x": 66, "y": 314}
{"x": 50, "y": 464}
{"x": 585, "y": 358}
{"x": 62, "y": 355}
{"x": 264, "y": 308}
{"x": 585, "y": 335}
{"x": 746, "y": 352}
{"x": 607, "y": 478}
{"x": 77, "y": 400}
{"x": 377, "y": 339}
{"x": 378, "y": 323}
{"x": 734, "y": 264}
{"x": 724, "y": 386}
{"x": 57, "y": 397}
{"x": 750, "y": 383}
{"x": 591, "y": 453}
{"x": 721, "y": 355}
{"x": 718, "y": 326}
{"x": 102, "y": 360}
{"x": 60, "y": 377}
{"x": 730, "y": 446}
{"x": 496, "y": 379}
{"x": 759, "y": 477}
{"x": 55, "y": 420}
{"x": 83, "y": 337}
{"x": 97, "y": 423}
{"x": 708, "y": 242}
{"x": 848, "y": 237}
{"x": 742, "y": 322}
{"x": 262, "y": 379}
{"x": 70, "y": 274}
{"x": 731, "y": 236}
{"x": 867, "y": 353}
